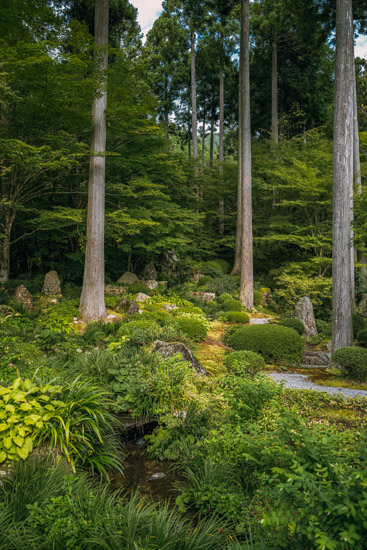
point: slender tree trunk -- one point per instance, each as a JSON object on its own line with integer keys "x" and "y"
{"x": 211, "y": 154}
{"x": 5, "y": 247}
{"x": 92, "y": 304}
{"x": 274, "y": 91}
{"x": 193, "y": 100}
{"x": 237, "y": 260}
{"x": 343, "y": 177}
{"x": 221, "y": 144}
{"x": 166, "y": 110}
{"x": 189, "y": 137}
{"x": 247, "y": 276}
{"x": 203, "y": 141}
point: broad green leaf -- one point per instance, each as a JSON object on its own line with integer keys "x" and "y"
{"x": 18, "y": 440}
{"x": 32, "y": 419}
{"x": 3, "y": 427}
{"x": 23, "y": 452}
{"x": 10, "y": 408}
{"x": 7, "y": 442}
{"x": 2, "y": 456}
{"x": 25, "y": 407}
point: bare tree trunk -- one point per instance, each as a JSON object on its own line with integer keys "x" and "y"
{"x": 343, "y": 177}
{"x": 237, "y": 260}
{"x": 92, "y": 304}
{"x": 9, "y": 217}
{"x": 203, "y": 140}
{"x": 274, "y": 92}
{"x": 247, "y": 276}
{"x": 211, "y": 154}
{"x": 166, "y": 110}
{"x": 221, "y": 144}
{"x": 193, "y": 100}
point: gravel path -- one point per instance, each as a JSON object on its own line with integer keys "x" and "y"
{"x": 301, "y": 382}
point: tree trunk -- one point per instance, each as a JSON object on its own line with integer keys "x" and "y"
{"x": 211, "y": 154}
{"x": 166, "y": 110}
{"x": 274, "y": 92}
{"x": 221, "y": 144}
{"x": 5, "y": 246}
{"x": 92, "y": 304}
{"x": 189, "y": 137}
{"x": 343, "y": 177}
{"x": 203, "y": 141}
{"x": 193, "y": 100}
{"x": 247, "y": 282}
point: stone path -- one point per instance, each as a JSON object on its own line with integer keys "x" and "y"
{"x": 301, "y": 382}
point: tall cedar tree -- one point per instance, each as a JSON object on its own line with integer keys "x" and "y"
{"x": 92, "y": 304}
{"x": 343, "y": 177}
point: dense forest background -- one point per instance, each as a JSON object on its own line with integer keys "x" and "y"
{"x": 161, "y": 193}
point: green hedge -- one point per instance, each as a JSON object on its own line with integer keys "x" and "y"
{"x": 236, "y": 317}
{"x": 244, "y": 362}
{"x": 290, "y": 322}
{"x": 275, "y": 343}
{"x": 352, "y": 362}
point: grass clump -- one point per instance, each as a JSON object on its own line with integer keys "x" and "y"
{"x": 275, "y": 343}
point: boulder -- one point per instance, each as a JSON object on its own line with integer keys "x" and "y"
{"x": 170, "y": 307}
{"x": 152, "y": 284}
{"x": 150, "y": 272}
{"x": 114, "y": 290}
{"x": 129, "y": 306}
{"x": 51, "y": 286}
{"x": 128, "y": 278}
{"x": 316, "y": 358}
{"x": 170, "y": 265}
{"x": 204, "y": 296}
{"x": 23, "y": 296}
{"x": 141, "y": 297}
{"x": 169, "y": 349}
{"x": 304, "y": 312}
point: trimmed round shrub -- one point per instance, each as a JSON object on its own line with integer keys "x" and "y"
{"x": 362, "y": 338}
{"x": 232, "y": 305}
{"x": 203, "y": 281}
{"x": 275, "y": 343}
{"x": 358, "y": 324}
{"x": 352, "y": 362}
{"x": 244, "y": 362}
{"x": 225, "y": 266}
{"x": 258, "y": 297}
{"x": 211, "y": 268}
{"x": 195, "y": 329}
{"x": 324, "y": 328}
{"x": 225, "y": 297}
{"x": 290, "y": 322}
{"x": 236, "y": 317}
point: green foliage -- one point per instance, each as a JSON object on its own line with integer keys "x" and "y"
{"x": 362, "y": 338}
{"x": 212, "y": 268}
{"x": 137, "y": 288}
{"x": 359, "y": 324}
{"x": 324, "y": 328}
{"x": 225, "y": 283}
{"x": 224, "y": 265}
{"x": 194, "y": 327}
{"x": 296, "y": 324}
{"x": 248, "y": 396}
{"x": 204, "y": 281}
{"x": 60, "y": 316}
{"x": 225, "y": 297}
{"x": 140, "y": 331}
{"x": 232, "y": 305}
{"x": 352, "y": 362}
{"x": 275, "y": 343}
{"x": 236, "y": 317}
{"x": 258, "y": 297}
{"x": 244, "y": 362}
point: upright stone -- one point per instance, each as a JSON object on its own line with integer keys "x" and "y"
{"x": 150, "y": 272}
{"x": 23, "y": 296}
{"x": 304, "y": 312}
{"x": 128, "y": 278}
{"x": 51, "y": 286}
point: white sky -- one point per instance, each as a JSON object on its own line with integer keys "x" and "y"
{"x": 149, "y": 10}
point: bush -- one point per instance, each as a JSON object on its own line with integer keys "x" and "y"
{"x": 258, "y": 297}
{"x": 324, "y": 328}
{"x": 203, "y": 281}
{"x": 275, "y": 343}
{"x": 140, "y": 332}
{"x": 232, "y": 305}
{"x": 358, "y": 324}
{"x": 362, "y": 338}
{"x": 194, "y": 328}
{"x": 223, "y": 283}
{"x": 225, "y": 298}
{"x": 352, "y": 362}
{"x": 137, "y": 288}
{"x": 236, "y": 317}
{"x": 244, "y": 362}
{"x": 225, "y": 266}
{"x": 290, "y": 322}
{"x": 212, "y": 269}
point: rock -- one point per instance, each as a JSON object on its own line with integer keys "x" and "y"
{"x": 150, "y": 272}
{"x": 196, "y": 276}
{"x": 141, "y": 297}
{"x": 158, "y": 475}
{"x": 258, "y": 321}
{"x": 170, "y": 265}
{"x": 316, "y": 358}
{"x": 169, "y": 349}
{"x": 129, "y": 306}
{"x": 23, "y": 296}
{"x": 128, "y": 278}
{"x": 170, "y": 307}
{"x": 51, "y": 286}
{"x": 304, "y": 312}
{"x": 267, "y": 297}
{"x": 114, "y": 290}
{"x": 204, "y": 296}
{"x": 152, "y": 284}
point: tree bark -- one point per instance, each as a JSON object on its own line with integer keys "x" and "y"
{"x": 166, "y": 110}
{"x": 5, "y": 247}
{"x": 274, "y": 91}
{"x": 211, "y": 154}
{"x": 247, "y": 282}
{"x": 343, "y": 177}
{"x": 92, "y": 304}
{"x": 203, "y": 141}
{"x": 221, "y": 144}
{"x": 193, "y": 100}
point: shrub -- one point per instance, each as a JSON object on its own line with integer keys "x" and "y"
{"x": 323, "y": 328}
{"x": 137, "y": 288}
{"x": 140, "y": 331}
{"x": 247, "y": 396}
{"x": 225, "y": 266}
{"x": 211, "y": 268}
{"x": 236, "y": 317}
{"x": 203, "y": 281}
{"x": 290, "y": 322}
{"x": 275, "y": 343}
{"x": 358, "y": 324}
{"x": 362, "y": 337}
{"x": 352, "y": 362}
{"x": 258, "y": 297}
{"x": 232, "y": 305}
{"x": 194, "y": 328}
{"x": 223, "y": 283}
{"x": 225, "y": 297}
{"x": 244, "y": 362}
